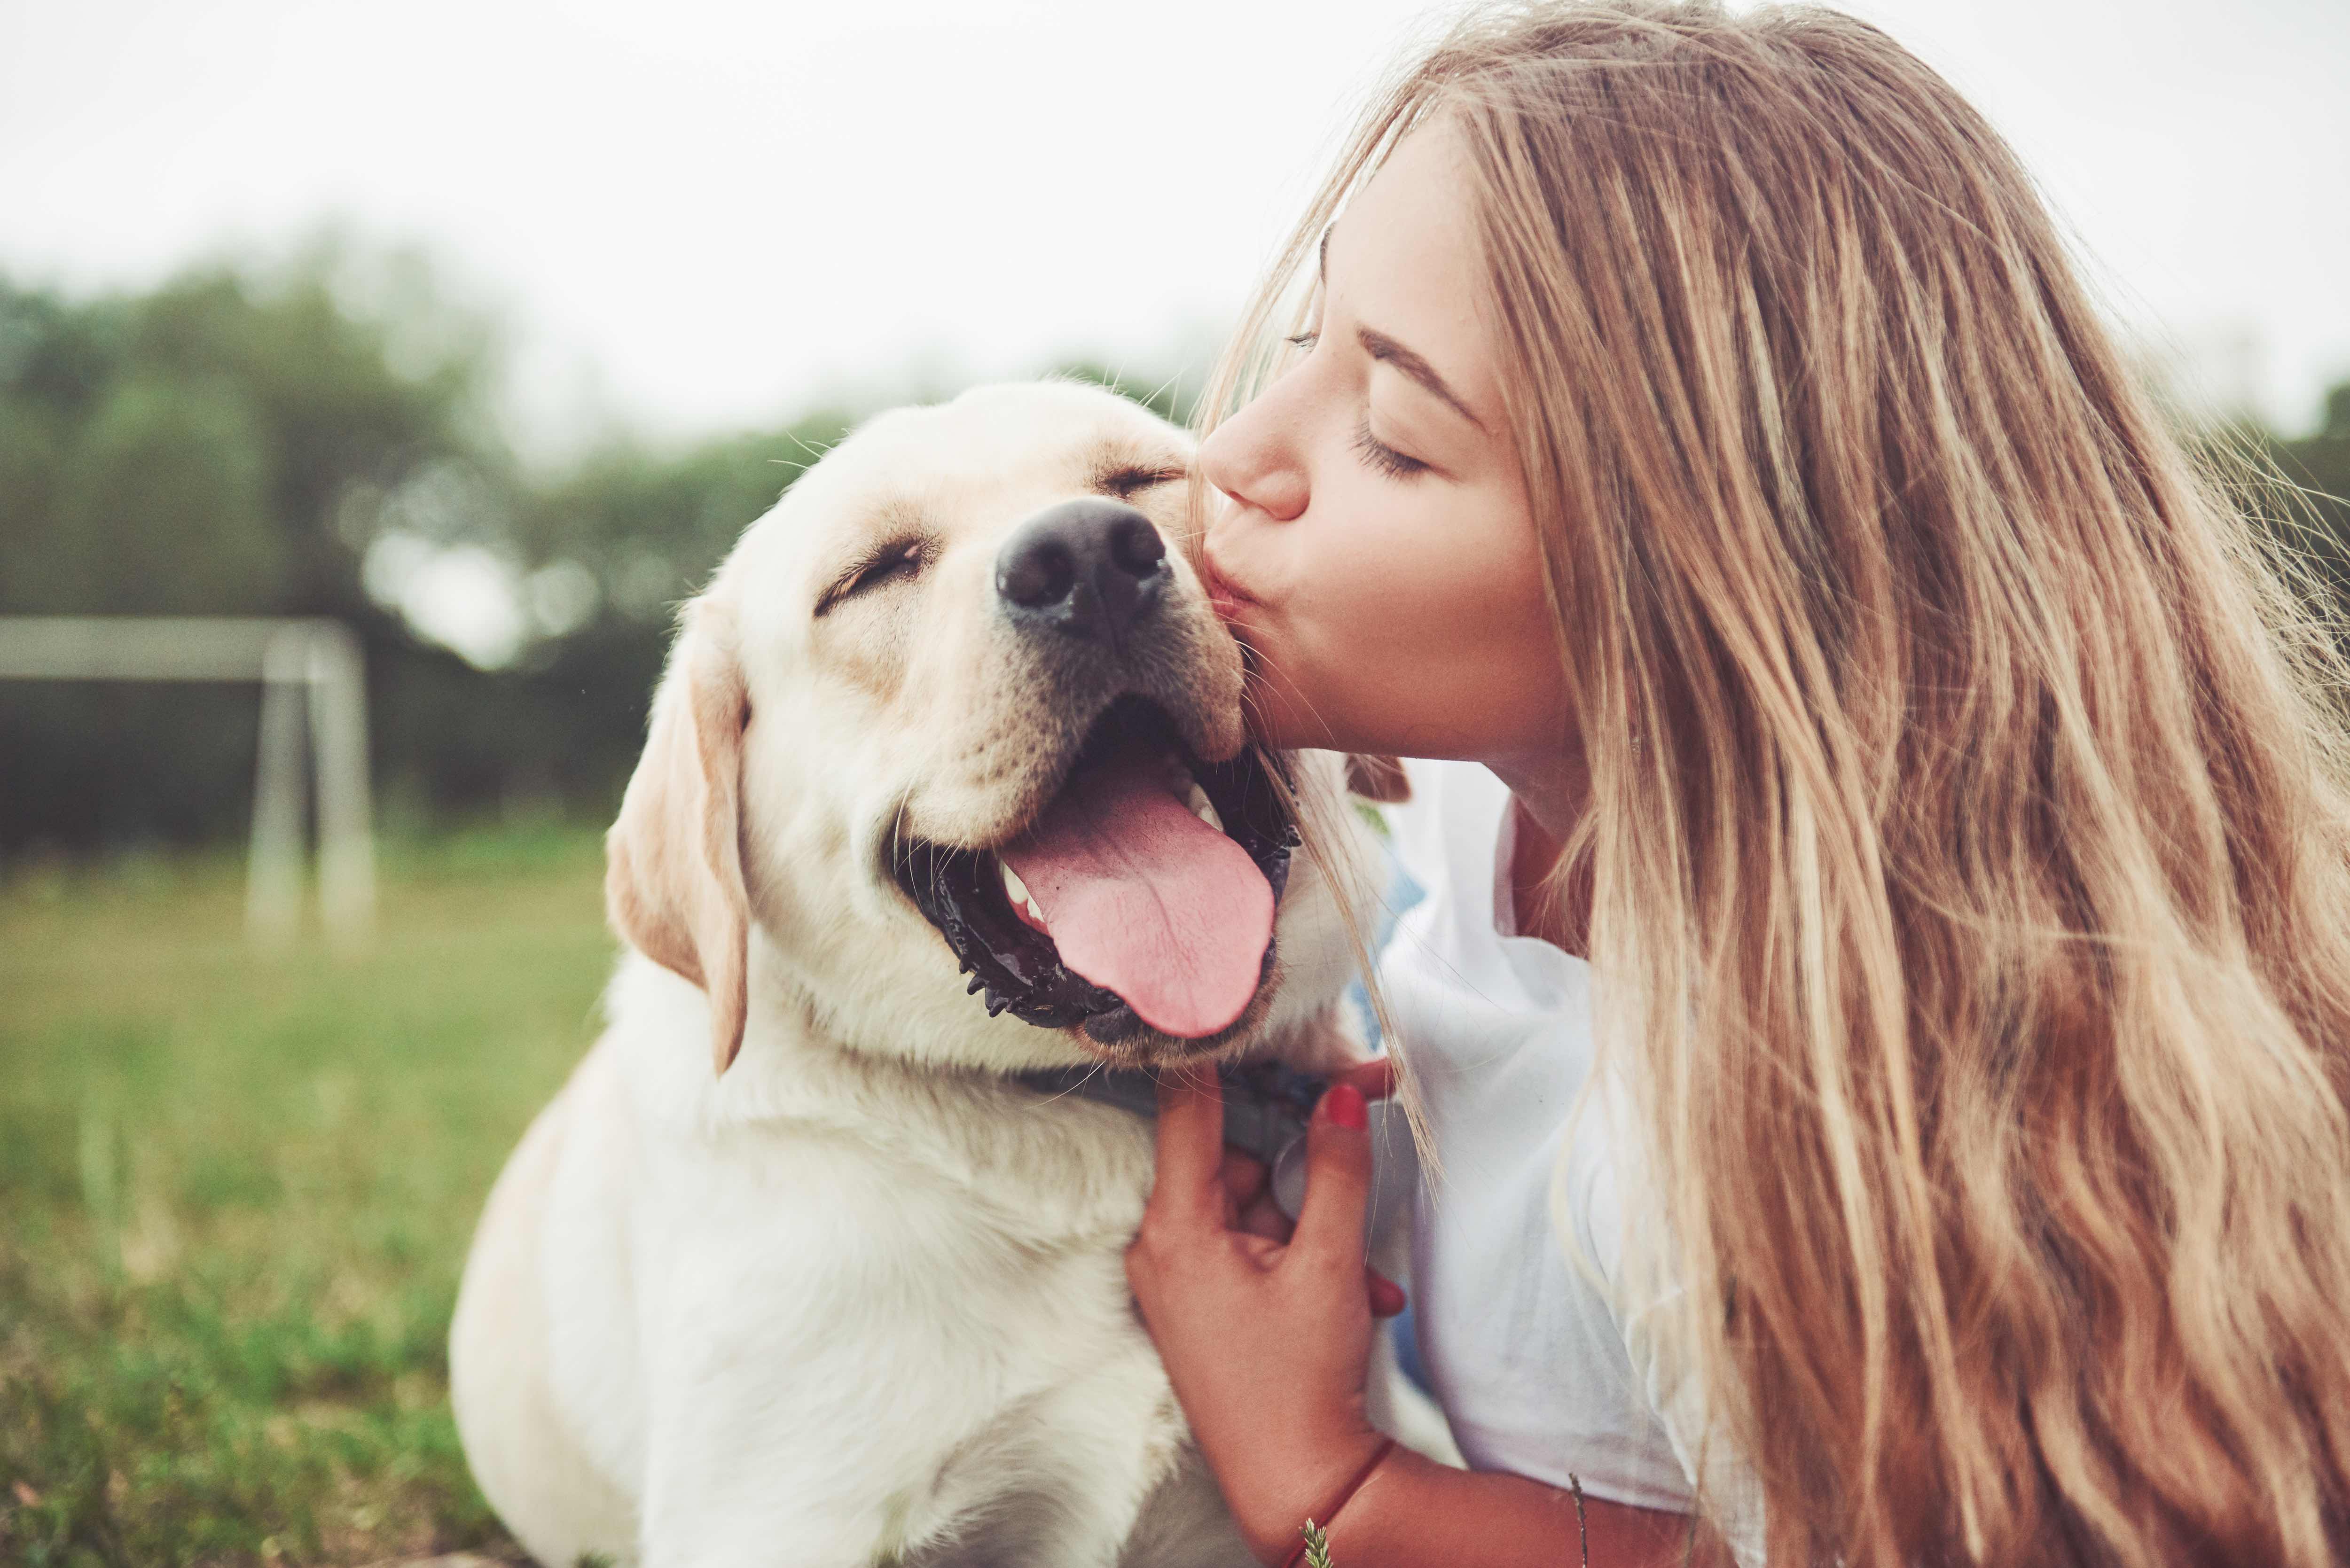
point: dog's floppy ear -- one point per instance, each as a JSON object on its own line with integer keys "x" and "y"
{"x": 674, "y": 876}
{"x": 1377, "y": 778}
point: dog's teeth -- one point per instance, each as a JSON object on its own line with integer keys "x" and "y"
{"x": 1186, "y": 790}
{"x": 1034, "y": 913}
{"x": 1203, "y": 808}
{"x": 1013, "y": 888}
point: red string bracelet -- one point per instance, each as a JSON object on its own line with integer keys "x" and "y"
{"x": 1330, "y": 1515}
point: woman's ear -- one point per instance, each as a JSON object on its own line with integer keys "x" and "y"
{"x": 1377, "y": 778}
{"x": 674, "y": 882}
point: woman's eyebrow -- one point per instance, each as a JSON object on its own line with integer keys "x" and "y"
{"x": 1382, "y": 348}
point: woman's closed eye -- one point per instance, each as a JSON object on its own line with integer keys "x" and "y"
{"x": 1383, "y": 457}
{"x": 1377, "y": 453}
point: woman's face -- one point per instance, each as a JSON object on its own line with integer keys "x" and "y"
{"x": 1376, "y": 552}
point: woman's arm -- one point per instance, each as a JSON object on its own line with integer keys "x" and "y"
{"x": 1268, "y": 1343}
{"x": 1413, "y": 1511}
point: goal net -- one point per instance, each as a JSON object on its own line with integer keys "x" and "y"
{"x": 305, "y": 670}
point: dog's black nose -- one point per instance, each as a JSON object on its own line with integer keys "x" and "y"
{"x": 1087, "y": 569}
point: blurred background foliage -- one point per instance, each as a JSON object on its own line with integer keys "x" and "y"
{"x": 2315, "y": 511}
{"x": 319, "y": 438}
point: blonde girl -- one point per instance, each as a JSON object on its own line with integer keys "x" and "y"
{"x": 1891, "y": 793}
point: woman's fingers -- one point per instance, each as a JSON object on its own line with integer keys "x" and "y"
{"x": 1189, "y": 1182}
{"x": 1263, "y": 1217}
{"x": 1373, "y": 1079}
{"x": 1244, "y": 1177}
{"x": 1248, "y": 1191}
{"x": 1338, "y": 1178}
{"x": 1201, "y": 1183}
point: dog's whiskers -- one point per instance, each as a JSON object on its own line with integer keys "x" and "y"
{"x": 1092, "y": 1069}
{"x": 901, "y": 855}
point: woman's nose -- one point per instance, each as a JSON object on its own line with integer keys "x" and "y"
{"x": 1248, "y": 459}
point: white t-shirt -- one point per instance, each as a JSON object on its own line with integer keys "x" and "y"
{"x": 1542, "y": 1369}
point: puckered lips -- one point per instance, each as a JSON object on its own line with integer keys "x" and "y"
{"x": 1141, "y": 895}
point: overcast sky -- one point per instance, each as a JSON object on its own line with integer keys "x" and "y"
{"x": 701, "y": 214}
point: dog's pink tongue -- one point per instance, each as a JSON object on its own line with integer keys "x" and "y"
{"x": 1145, "y": 899}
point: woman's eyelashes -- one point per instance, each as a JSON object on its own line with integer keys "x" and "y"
{"x": 1383, "y": 457}
{"x": 1375, "y": 451}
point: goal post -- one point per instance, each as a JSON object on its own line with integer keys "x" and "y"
{"x": 304, "y": 668}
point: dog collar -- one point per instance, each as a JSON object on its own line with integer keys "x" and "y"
{"x": 1267, "y": 1108}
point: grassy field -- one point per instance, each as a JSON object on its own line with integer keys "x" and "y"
{"x": 235, "y": 1191}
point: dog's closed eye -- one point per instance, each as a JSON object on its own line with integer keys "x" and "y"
{"x": 900, "y": 560}
{"x": 1125, "y": 480}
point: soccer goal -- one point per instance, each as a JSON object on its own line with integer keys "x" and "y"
{"x": 306, "y": 669}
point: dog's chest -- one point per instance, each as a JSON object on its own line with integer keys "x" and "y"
{"x": 943, "y": 1325}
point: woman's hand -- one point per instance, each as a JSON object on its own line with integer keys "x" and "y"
{"x": 1266, "y": 1334}
{"x": 1267, "y": 1337}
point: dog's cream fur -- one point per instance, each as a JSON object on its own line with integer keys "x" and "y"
{"x": 858, "y": 1298}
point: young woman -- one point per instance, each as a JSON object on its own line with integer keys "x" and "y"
{"x": 1698, "y": 431}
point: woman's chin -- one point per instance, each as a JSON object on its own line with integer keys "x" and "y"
{"x": 1295, "y": 726}
{"x": 1282, "y": 733}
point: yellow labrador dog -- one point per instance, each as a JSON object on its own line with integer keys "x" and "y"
{"x": 952, "y": 719}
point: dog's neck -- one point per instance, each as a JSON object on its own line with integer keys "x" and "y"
{"x": 1266, "y": 1103}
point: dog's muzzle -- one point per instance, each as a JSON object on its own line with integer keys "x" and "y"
{"x": 1139, "y": 896}
{"x": 1091, "y": 569}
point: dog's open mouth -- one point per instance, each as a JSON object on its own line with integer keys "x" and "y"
{"x": 1141, "y": 896}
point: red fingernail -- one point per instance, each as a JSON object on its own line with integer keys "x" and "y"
{"x": 1343, "y": 1106}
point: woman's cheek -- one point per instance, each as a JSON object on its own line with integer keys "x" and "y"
{"x": 1383, "y": 642}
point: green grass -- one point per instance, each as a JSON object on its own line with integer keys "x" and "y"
{"x": 235, "y": 1191}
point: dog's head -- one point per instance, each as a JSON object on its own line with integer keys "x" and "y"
{"x": 954, "y": 734}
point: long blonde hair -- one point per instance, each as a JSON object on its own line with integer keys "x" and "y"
{"x": 1969, "y": 824}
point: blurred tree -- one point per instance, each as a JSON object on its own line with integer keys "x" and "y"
{"x": 308, "y": 439}
{"x": 613, "y": 548}
{"x": 185, "y": 452}
{"x": 163, "y": 506}
{"x": 2321, "y": 461}
{"x": 33, "y": 439}
{"x": 2313, "y": 516}
{"x": 650, "y": 528}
